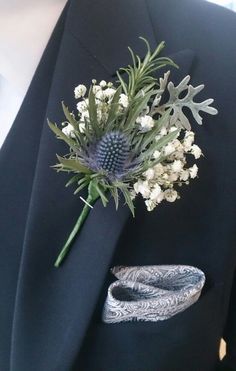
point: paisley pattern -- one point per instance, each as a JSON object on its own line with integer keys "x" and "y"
{"x": 151, "y": 292}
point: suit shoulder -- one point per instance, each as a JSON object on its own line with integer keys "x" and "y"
{"x": 204, "y": 13}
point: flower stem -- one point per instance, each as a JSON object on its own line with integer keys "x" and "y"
{"x": 91, "y": 199}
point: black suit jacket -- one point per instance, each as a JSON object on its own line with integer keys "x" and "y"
{"x": 51, "y": 318}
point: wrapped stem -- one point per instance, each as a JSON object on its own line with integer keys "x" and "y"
{"x": 91, "y": 199}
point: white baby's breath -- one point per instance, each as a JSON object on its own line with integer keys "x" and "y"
{"x": 177, "y": 166}
{"x": 196, "y": 151}
{"x": 103, "y": 83}
{"x": 80, "y": 91}
{"x": 142, "y": 187}
{"x": 170, "y": 195}
{"x": 146, "y": 123}
{"x": 82, "y": 106}
{"x": 124, "y": 101}
{"x": 169, "y": 148}
{"x": 193, "y": 171}
{"x": 68, "y": 130}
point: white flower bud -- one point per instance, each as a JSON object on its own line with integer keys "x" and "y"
{"x": 156, "y": 154}
{"x": 103, "y": 83}
{"x": 156, "y": 194}
{"x": 146, "y": 122}
{"x": 168, "y": 149}
{"x": 163, "y": 132}
{"x": 69, "y": 131}
{"x": 196, "y": 151}
{"x": 177, "y": 166}
{"x": 80, "y": 91}
{"x": 184, "y": 175}
{"x": 82, "y": 106}
{"x": 173, "y": 177}
{"x": 193, "y": 171}
{"x": 159, "y": 169}
{"x": 96, "y": 88}
{"x": 123, "y": 101}
{"x": 100, "y": 95}
{"x": 109, "y": 92}
{"x": 173, "y": 128}
{"x": 150, "y": 205}
{"x": 142, "y": 187}
{"x": 149, "y": 173}
{"x": 170, "y": 195}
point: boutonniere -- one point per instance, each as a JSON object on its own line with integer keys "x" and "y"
{"x": 131, "y": 137}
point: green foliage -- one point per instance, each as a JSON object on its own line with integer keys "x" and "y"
{"x": 140, "y": 73}
{"x": 140, "y": 89}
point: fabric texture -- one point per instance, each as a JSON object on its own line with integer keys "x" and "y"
{"x": 151, "y": 293}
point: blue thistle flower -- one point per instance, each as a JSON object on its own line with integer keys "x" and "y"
{"x": 111, "y": 153}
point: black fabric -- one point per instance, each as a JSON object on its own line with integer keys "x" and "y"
{"x": 51, "y": 318}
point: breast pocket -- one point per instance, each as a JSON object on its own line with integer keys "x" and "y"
{"x": 185, "y": 342}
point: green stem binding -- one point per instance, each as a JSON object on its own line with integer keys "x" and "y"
{"x": 91, "y": 199}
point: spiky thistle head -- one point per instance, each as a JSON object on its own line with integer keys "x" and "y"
{"x": 111, "y": 154}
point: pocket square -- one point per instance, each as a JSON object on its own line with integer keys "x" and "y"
{"x": 151, "y": 292}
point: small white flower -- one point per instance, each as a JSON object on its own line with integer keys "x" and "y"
{"x": 173, "y": 177}
{"x": 168, "y": 149}
{"x": 178, "y": 145}
{"x": 193, "y": 171}
{"x": 173, "y": 128}
{"x": 184, "y": 175}
{"x": 189, "y": 135}
{"x": 146, "y": 122}
{"x": 177, "y": 166}
{"x": 96, "y": 88}
{"x": 84, "y": 115}
{"x": 165, "y": 176}
{"x": 109, "y": 92}
{"x": 80, "y": 91}
{"x": 142, "y": 187}
{"x": 170, "y": 195}
{"x": 179, "y": 155}
{"x": 103, "y": 83}
{"x": 149, "y": 173}
{"x": 156, "y": 194}
{"x": 69, "y": 131}
{"x": 100, "y": 95}
{"x": 163, "y": 131}
{"x": 150, "y": 205}
{"x": 159, "y": 169}
{"x": 123, "y": 101}
{"x": 82, "y": 106}
{"x": 156, "y": 154}
{"x": 196, "y": 151}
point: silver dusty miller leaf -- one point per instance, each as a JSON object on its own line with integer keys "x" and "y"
{"x": 178, "y": 117}
{"x": 162, "y": 86}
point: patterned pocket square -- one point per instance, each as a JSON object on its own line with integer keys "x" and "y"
{"x": 151, "y": 292}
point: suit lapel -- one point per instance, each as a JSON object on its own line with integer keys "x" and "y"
{"x": 54, "y": 306}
